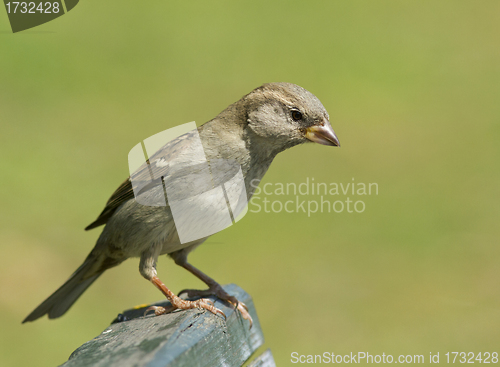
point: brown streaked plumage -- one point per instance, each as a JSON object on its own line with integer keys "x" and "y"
{"x": 251, "y": 132}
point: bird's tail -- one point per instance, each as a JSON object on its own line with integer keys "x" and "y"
{"x": 62, "y": 299}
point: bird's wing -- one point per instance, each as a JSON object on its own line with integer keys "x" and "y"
{"x": 159, "y": 164}
{"x": 123, "y": 193}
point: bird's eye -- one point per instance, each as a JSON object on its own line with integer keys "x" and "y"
{"x": 296, "y": 115}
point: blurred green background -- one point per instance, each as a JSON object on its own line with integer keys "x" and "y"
{"x": 413, "y": 91}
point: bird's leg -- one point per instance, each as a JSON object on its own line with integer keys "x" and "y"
{"x": 148, "y": 271}
{"x": 179, "y": 303}
{"x": 214, "y": 289}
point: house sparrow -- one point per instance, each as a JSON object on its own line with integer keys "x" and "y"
{"x": 251, "y": 132}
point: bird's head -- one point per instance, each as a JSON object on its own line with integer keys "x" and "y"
{"x": 284, "y": 115}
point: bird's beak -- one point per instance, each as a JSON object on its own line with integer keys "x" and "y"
{"x": 322, "y": 134}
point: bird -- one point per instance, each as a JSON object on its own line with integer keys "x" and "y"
{"x": 250, "y": 132}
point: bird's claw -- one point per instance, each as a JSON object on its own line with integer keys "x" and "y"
{"x": 220, "y": 293}
{"x": 244, "y": 305}
{"x": 158, "y": 310}
{"x": 206, "y": 304}
{"x": 178, "y": 303}
{"x": 244, "y": 313}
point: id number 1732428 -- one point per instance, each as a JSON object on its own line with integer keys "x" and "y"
{"x": 471, "y": 357}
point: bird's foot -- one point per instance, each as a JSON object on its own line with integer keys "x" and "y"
{"x": 159, "y": 310}
{"x": 219, "y": 292}
{"x": 179, "y": 303}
